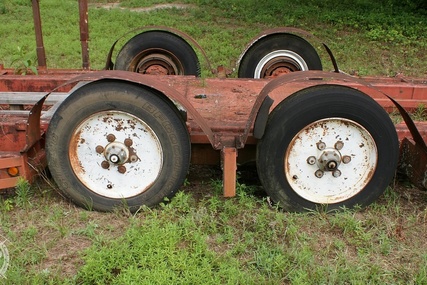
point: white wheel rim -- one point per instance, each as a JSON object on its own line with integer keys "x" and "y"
{"x": 142, "y": 160}
{"x": 275, "y": 56}
{"x": 318, "y": 146}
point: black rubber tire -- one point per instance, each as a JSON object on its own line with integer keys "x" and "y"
{"x": 160, "y": 115}
{"x": 275, "y": 42}
{"x": 161, "y": 42}
{"x": 304, "y": 108}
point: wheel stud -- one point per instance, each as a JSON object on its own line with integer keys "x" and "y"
{"x": 318, "y": 173}
{"x": 339, "y": 145}
{"x": 105, "y": 164}
{"x": 336, "y": 173}
{"x": 321, "y": 145}
{"x": 133, "y": 158}
{"x": 111, "y": 138}
{"x": 346, "y": 159}
{"x": 311, "y": 160}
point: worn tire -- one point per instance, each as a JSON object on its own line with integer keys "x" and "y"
{"x": 121, "y": 125}
{"x": 300, "y": 158}
{"x": 269, "y": 55}
{"x": 158, "y": 48}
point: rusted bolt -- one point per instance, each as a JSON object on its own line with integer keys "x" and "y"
{"x": 99, "y": 149}
{"x": 346, "y": 159}
{"x": 121, "y": 169}
{"x": 111, "y": 138}
{"x": 128, "y": 142}
{"x": 321, "y": 145}
{"x": 105, "y": 164}
{"x": 339, "y": 145}
{"x": 318, "y": 173}
{"x": 336, "y": 173}
{"x": 311, "y": 160}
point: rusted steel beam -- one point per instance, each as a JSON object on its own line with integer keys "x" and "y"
{"x": 229, "y": 168}
{"x": 84, "y": 33}
{"x": 41, "y": 55}
{"x": 413, "y": 163}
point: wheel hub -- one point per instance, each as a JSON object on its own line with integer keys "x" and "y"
{"x": 116, "y": 153}
{"x": 156, "y": 62}
{"x": 278, "y": 63}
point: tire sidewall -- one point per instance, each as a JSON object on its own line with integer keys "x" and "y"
{"x": 306, "y": 107}
{"x": 159, "y": 40}
{"x": 154, "y": 111}
{"x": 272, "y": 43}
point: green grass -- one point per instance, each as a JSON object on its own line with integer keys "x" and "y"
{"x": 206, "y": 239}
{"x": 368, "y": 38}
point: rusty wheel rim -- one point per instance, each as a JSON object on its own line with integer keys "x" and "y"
{"x": 330, "y": 160}
{"x": 156, "y": 62}
{"x": 115, "y": 154}
{"x": 279, "y": 62}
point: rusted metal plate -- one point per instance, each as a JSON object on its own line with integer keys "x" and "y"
{"x": 413, "y": 163}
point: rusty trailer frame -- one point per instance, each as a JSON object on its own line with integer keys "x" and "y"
{"x": 221, "y": 114}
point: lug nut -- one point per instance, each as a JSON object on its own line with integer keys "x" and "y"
{"x": 111, "y": 138}
{"x": 133, "y": 158}
{"x": 321, "y": 145}
{"x": 318, "y": 173}
{"x": 336, "y": 173}
{"x": 99, "y": 149}
{"x": 346, "y": 159}
{"x": 128, "y": 142}
{"x": 311, "y": 160}
{"x": 339, "y": 145}
{"x": 105, "y": 164}
{"x": 121, "y": 169}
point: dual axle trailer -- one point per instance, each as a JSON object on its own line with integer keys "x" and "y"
{"x": 128, "y": 135}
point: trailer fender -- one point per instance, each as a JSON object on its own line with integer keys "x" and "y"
{"x": 109, "y": 65}
{"x": 149, "y": 82}
{"x": 314, "y": 77}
